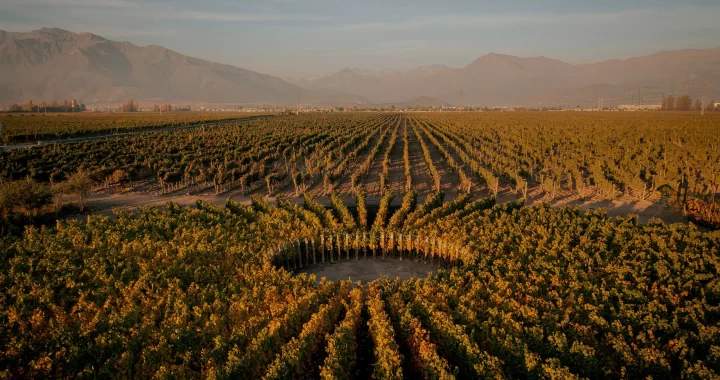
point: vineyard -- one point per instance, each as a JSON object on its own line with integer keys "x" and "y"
{"x": 219, "y": 292}
{"x": 549, "y": 156}
{"x": 31, "y": 127}
{"x": 223, "y": 291}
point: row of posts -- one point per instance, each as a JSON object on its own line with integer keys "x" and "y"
{"x": 330, "y": 248}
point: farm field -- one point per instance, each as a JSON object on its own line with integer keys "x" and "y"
{"x": 220, "y": 291}
{"x": 21, "y": 127}
{"x": 552, "y": 156}
{"x": 370, "y": 245}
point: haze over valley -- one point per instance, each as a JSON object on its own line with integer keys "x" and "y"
{"x": 50, "y": 63}
{"x": 337, "y": 189}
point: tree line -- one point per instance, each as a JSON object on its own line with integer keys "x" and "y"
{"x": 685, "y": 103}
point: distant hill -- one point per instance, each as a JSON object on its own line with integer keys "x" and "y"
{"x": 498, "y": 79}
{"x": 49, "y": 64}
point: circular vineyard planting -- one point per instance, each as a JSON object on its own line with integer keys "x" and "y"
{"x": 369, "y": 270}
{"x": 518, "y": 292}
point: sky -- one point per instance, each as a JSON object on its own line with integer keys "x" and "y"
{"x": 293, "y": 38}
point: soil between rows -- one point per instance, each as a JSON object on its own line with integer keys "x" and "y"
{"x": 370, "y": 269}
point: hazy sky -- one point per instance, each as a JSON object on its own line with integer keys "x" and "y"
{"x": 290, "y": 38}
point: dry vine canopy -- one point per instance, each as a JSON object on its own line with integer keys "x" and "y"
{"x": 529, "y": 292}
{"x": 521, "y": 291}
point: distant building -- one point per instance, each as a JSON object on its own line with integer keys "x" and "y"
{"x": 645, "y": 107}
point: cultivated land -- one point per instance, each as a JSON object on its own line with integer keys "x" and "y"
{"x": 33, "y": 127}
{"x": 241, "y": 276}
{"x": 600, "y": 159}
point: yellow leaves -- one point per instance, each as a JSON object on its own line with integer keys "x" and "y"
{"x": 580, "y": 348}
{"x": 532, "y": 360}
{"x": 42, "y": 366}
{"x": 38, "y": 320}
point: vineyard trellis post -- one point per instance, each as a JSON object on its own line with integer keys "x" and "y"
{"x": 338, "y": 243}
{"x": 365, "y": 244}
{"x": 400, "y": 247}
{"x": 312, "y": 240}
{"x": 357, "y": 246}
{"x": 322, "y": 247}
{"x": 307, "y": 255}
{"x": 347, "y": 247}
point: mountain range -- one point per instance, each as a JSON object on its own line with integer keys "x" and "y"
{"x": 498, "y": 79}
{"x": 51, "y": 63}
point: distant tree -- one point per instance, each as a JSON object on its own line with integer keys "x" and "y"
{"x": 698, "y": 105}
{"x": 684, "y": 103}
{"x": 130, "y": 106}
{"x": 79, "y": 184}
{"x": 669, "y": 103}
{"x": 710, "y": 107}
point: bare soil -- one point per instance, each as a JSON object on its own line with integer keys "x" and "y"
{"x": 367, "y": 270}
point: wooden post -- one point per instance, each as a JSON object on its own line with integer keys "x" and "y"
{"x": 339, "y": 246}
{"x": 400, "y": 246}
{"x": 347, "y": 247}
{"x": 313, "y": 250}
{"x": 357, "y": 246}
{"x": 432, "y": 249}
{"x": 307, "y": 255}
{"x": 382, "y": 244}
{"x": 390, "y": 244}
{"x": 426, "y": 248}
{"x": 417, "y": 247}
{"x": 365, "y": 244}
{"x": 322, "y": 247}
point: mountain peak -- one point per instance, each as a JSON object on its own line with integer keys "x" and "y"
{"x": 53, "y": 31}
{"x": 100, "y": 71}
